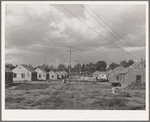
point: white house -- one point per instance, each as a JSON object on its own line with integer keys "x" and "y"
{"x": 42, "y": 74}
{"x": 23, "y": 72}
{"x": 52, "y": 75}
{"x": 59, "y": 74}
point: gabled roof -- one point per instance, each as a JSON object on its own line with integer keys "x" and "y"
{"x": 65, "y": 72}
{"x": 53, "y": 72}
{"x": 42, "y": 70}
{"x": 116, "y": 69}
{"x": 124, "y": 71}
{"x": 31, "y": 69}
{"x": 58, "y": 73}
{"x": 108, "y": 71}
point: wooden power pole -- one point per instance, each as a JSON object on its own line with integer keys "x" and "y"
{"x": 70, "y": 52}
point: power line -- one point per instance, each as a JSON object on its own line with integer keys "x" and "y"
{"x": 114, "y": 31}
{"x": 35, "y": 23}
{"x": 97, "y": 32}
{"x": 106, "y": 28}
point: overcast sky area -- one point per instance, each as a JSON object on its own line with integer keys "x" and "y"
{"x": 38, "y": 34}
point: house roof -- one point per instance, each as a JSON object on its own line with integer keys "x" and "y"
{"x": 116, "y": 69}
{"x": 52, "y": 72}
{"x": 124, "y": 71}
{"x": 58, "y": 73}
{"x": 31, "y": 69}
{"x": 108, "y": 71}
{"x": 65, "y": 72}
{"x": 43, "y": 70}
{"x": 62, "y": 72}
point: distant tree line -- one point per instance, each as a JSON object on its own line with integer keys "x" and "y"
{"x": 80, "y": 68}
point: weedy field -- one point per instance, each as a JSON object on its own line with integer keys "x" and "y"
{"x": 72, "y": 95}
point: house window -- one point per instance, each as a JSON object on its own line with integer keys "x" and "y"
{"x": 138, "y": 77}
{"x": 15, "y": 75}
{"x": 23, "y": 75}
{"x": 52, "y": 76}
{"x": 39, "y": 75}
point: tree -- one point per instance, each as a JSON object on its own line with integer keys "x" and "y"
{"x": 45, "y": 67}
{"x": 9, "y": 66}
{"x": 113, "y": 66}
{"x": 83, "y": 68}
{"x": 101, "y": 66}
{"x": 124, "y": 63}
{"x": 61, "y": 67}
{"x": 130, "y": 62}
{"x": 52, "y": 68}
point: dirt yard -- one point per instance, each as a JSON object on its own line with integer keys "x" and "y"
{"x": 72, "y": 95}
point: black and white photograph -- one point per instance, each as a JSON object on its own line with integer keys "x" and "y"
{"x": 75, "y": 56}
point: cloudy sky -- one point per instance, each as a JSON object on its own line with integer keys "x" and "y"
{"x": 39, "y": 33}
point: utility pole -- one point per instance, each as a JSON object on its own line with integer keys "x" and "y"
{"x": 70, "y": 52}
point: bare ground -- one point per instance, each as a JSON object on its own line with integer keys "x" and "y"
{"x": 83, "y": 96}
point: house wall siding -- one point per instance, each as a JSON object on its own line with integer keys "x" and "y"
{"x": 51, "y": 74}
{"x": 21, "y": 70}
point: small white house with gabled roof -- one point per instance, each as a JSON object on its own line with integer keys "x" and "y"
{"x": 23, "y": 72}
{"x": 42, "y": 74}
{"x": 53, "y": 75}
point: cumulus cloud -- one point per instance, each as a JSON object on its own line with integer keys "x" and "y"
{"x": 45, "y": 30}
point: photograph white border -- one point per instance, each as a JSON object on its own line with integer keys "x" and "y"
{"x": 78, "y": 115}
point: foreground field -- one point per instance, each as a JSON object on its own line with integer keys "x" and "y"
{"x": 83, "y": 96}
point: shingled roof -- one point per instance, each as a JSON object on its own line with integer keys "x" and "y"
{"x": 43, "y": 70}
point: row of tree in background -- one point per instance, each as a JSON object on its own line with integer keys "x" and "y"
{"x": 83, "y": 68}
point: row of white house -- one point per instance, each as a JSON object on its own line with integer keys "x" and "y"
{"x": 23, "y": 72}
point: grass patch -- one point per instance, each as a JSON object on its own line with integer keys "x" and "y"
{"x": 113, "y": 102}
{"x": 29, "y": 101}
{"x": 125, "y": 94}
{"x": 29, "y": 86}
{"x": 14, "y": 100}
{"x": 54, "y": 101}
